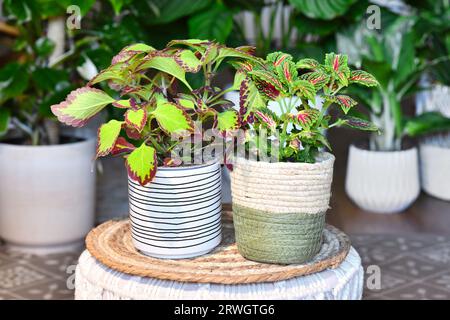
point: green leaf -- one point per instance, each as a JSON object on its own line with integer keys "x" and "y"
{"x": 165, "y": 11}
{"x": 358, "y": 123}
{"x": 136, "y": 118}
{"x": 278, "y": 57}
{"x": 48, "y": 79}
{"x": 363, "y": 78}
{"x": 22, "y": 10}
{"x": 268, "y": 77}
{"x": 345, "y": 102}
{"x": 172, "y": 119}
{"x": 168, "y": 65}
{"x": 287, "y": 72}
{"x": 322, "y": 9}
{"x": 188, "y": 61}
{"x": 13, "y": 80}
{"x": 107, "y": 137}
{"x": 307, "y": 118}
{"x": 186, "y": 103}
{"x": 44, "y": 47}
{"x": 81, "y": 105}
{"x": 428, "y": 122}
{"x": 215, "y": 23}
{"x": 337, "y": 65}
{"x": 4, "y": 120}
{"x": 118, "y": 4}
{"x": 227, "y": 120}
{"x": 141, "y": 164}
{"x": 122, "y": 104}
{"x": 318, "y": 78}
{"x": 250, "y": 99}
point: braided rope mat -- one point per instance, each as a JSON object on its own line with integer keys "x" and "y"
{"x": 111, "y": 244}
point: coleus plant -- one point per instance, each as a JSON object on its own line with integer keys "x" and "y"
{"x": 304, "y": 91}
{"x": 159, "y": 104}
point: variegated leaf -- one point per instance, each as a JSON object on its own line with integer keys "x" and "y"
{"x": 129, "y": 51}
{"x": 107, "y": 137}
{"x": 317, "y": 78}
{"x": 277, "y": 58}
{"x": 337, "y": 64}
{"x": 187, "y": 60}
{"x": 267, "y": 77}
{"x": 136, "y": 118}
{"x": 305, "y": 89}
{"x": 345, "y": 102}
{"x": 141, "y": 164}
{"x": 307, "y": 118}
{"x": 287, "y": 72}
{"x": 122, "y": 146}
{"x": 266, "y": 119}
{"x": 250, "y": 99}
{"x": 362, "y": 77}
{"x": 227, "y": 120}
{"x": 358, "y": 123}
{"x": 307, "y": 63}
{"x": 81, "y": 105}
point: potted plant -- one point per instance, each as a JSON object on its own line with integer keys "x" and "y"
{"x": 383, "y": 177}
{"x": 279, "y": 206}
{"x": 434, "y": 149}
{"x": 175, "y": 203}
{"x": 47, "y": 186}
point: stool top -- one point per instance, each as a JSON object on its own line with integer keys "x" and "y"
{"x": 111, "y": 244}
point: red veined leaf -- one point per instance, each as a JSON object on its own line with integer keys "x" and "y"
{"x": 277, "y": 58}
{"x": 250, "y": 99}
{"x": 337, "y": 64}
{"x": 307, "y": 64}
{"x": 305, "y": 89}
{"x": 122, "y": 146}
{"x": 307, "y": 118}
{"x": 132, "y": 133}
{"x": 358, "y": 123}
{"x": 363, "y": 77}
{"x": 317, "y": 78}
{"x": 267, "y": 77}
{"x": 345, "y": 102}
{"x": 266, "y": 120}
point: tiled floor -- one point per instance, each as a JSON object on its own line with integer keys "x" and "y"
{"x": 411, "y": 267}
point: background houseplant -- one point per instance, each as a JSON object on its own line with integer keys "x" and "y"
{"x": 157, "y": 111}
{"x": 45, "y": 172}
{"x": 391, "y": 55}
{"x": 279, "y": 208}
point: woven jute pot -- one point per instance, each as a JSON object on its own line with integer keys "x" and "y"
{"x": 279, "y": 208}
{"x": 178, "y": 214}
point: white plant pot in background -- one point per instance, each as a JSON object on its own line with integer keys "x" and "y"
{"x": 47, "y": 195}
{"x": 178, "y": 214}
{"x": 382, "y": 182}
{"x": 435, "y": 170}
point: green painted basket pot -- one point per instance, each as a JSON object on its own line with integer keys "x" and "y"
{"x": 279, "y": 208}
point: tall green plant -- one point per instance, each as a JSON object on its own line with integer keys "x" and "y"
{"x": 390, "y": 54}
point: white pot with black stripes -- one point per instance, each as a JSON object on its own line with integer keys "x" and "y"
{"x": 178, "y": 214}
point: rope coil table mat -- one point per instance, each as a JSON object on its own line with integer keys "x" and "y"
{"x": 111, "y": 244}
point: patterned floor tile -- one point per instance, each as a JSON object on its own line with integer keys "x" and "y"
{"x": 374, "y": 255}
{"x": 441, "y": 281}
{"x": 411, "y": 267}
{"x": 48, "y": 290}
{"x": 13, "y": 276}
{"x": 439, "y": 253}
{"x": 418, "y": 291}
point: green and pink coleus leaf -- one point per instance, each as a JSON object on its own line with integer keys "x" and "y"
{"x": 277, "y": 58}
{"x": 250, "y": 99}
{"x": 81, "y": 105}
{"x": 362, "y": 77}
{"x": 344, "y": 101}
{"x": 267, "y": 78}
{"x": 306, "y": 118}
{"x": 358, "y": 123}
{"x": 307, "y": 63}
{"x": 136, "y": 118}
{"x": 318, "y": 78}
{"x": 337, "y": 64}
{"x": 305, "y": 89}
{"x": 266, "y": 119}
{"x": 287, "y": 72}
{"x": 122, "y": 146}
{"x": 107, "y": 137}
{"x": 142, "y": 164}
{"x": 172, "y": 118}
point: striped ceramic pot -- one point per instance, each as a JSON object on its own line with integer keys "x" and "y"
{"x": 178, "y": 214}
{"x": 279, "y": 208}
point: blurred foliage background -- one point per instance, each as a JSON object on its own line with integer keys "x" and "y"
{"x": 38, "y": 68}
